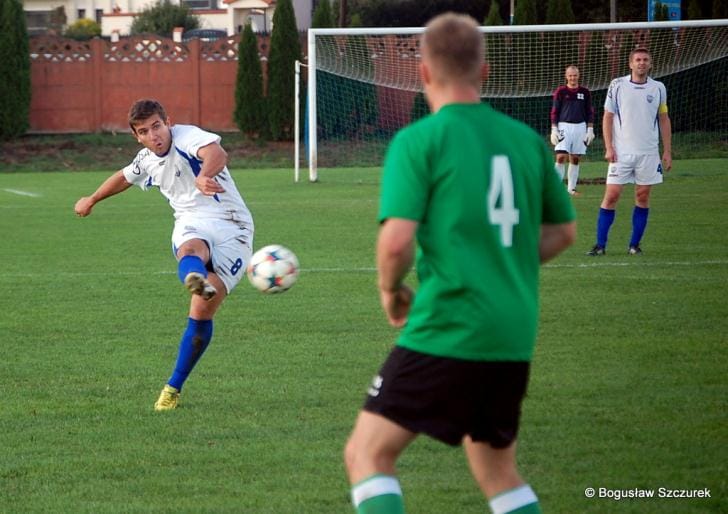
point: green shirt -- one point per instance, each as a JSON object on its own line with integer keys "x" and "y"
{"x": 480, "y": 184}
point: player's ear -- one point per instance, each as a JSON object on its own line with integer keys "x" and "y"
{"x": 425, "y": 73}
{"x": 134, "y": 134}
{"x": 484, "y": 72}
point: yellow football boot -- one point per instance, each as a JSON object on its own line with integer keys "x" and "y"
{"x": 168, "y": 398}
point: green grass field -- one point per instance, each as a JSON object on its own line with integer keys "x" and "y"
{"x": 628, "y": 386}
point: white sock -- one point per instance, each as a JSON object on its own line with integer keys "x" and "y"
{"x": 376, "y": 485}
{"x": 560, "y": 169}
{"x": 513, "y": 499}
{"x": 573, "y": 176}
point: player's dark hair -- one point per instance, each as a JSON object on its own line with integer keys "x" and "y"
{"x": 143, "y": 110}
{"x": 639, "y": 50}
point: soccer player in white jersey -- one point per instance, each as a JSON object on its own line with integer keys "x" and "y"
{"x": 572, "y": 126}
{"x": 635, "y": 117}
{"x": 213, "y": 230}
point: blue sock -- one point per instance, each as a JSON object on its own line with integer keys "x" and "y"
{"x": 193, "y": 344}
{"x": 639, "y": 223}
{"x": 190, "y": 263}
{"x": 604, "y": 223}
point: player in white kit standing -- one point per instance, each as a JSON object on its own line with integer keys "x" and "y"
{"x": 213, "y": 230}
{"x": 635, "y": 117}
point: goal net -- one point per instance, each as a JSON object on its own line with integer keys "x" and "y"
{"x": 363, "y": 84}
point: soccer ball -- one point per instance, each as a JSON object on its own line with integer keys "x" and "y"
{"x": 273, "y": 269}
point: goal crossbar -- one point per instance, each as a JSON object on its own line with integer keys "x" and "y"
{"x": 607, "y": 28}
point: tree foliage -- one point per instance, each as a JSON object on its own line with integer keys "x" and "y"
{"x": 249, "y": 102}
{"x": 694, "y": 10}
{"x": 412, "y": 13}
{"x": 14, "y": 70}
{"x": 526, "y": 13}
{"x": 57, "y": 21}
{"x": 559, "y": 11}
{"x": 285, "y": 50}
{"x": 494, "y": 17}
{"x": 322, "y": 16}
{"x": 162, "y": 17}
{"x": 83, "y": 30}
{"x": 720, "y": 9}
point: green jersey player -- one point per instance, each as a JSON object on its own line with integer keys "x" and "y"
{"x": 478, "y": 192}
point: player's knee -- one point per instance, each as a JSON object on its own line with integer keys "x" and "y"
{"x": 349, "y": 454}
{"x": 194, "y": 247}
{"x": 642, "y": 197}
{"x": 355, "y": 458}
{"x": 610, "y": 200}
{"x": 363, "y": 460}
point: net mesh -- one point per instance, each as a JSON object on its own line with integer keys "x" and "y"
{"x": 368, "y": 87}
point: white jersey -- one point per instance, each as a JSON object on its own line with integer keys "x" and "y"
{"x": 636, "y": 109}
{"x": 174, "y": 174}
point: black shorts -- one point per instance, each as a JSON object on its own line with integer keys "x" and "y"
{"x": 448, "y": 398}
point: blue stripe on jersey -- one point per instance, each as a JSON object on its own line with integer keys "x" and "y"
{"x": 195, "y": 165}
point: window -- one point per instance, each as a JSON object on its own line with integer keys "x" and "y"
{"x": 37, "y": 21}
{"x": 81, "y": 14}
{"x": 201, "y": 4}
{"x": 99, "y": 15}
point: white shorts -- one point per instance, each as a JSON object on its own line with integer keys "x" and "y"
{"x": 572, "y": 138}
{"x": 642, "y": 169}
{"x": 230, "y": 245}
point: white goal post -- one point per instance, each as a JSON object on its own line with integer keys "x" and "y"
{"x": 371, "y": 84}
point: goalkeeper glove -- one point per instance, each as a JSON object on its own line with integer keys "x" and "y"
{"x": 554, "y": 135}
{"x": 589, "y": 137}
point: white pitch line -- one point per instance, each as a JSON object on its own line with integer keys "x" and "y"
{"x": 601, "y": 264}
{"x": 22, "y": 193}
{"x": 638, "y": 262}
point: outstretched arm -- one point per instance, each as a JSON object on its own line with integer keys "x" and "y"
{"x": 555, "y": 238}
{"x": 214, "y": 159}
{"x": 116, "y": 183}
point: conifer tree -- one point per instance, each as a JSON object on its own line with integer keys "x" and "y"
{"x": 494, "y": 17}
{"x": 559, "y": 11}
{"x": 526, "y": 13}
{"x": 285, "y": 50}
{"x": 249, "y": 102}
{"x": 694, "y": 11}
{"x": 720, "y": 9}
{"x": 322, "y": 16}
{"x": 14, "y": 70}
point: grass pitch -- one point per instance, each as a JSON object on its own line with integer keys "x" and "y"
{"x": 628, "y": 387}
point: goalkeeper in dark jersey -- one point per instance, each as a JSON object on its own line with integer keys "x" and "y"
{"x": 476, "y": 190}
{"x": 572, "y": 126}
